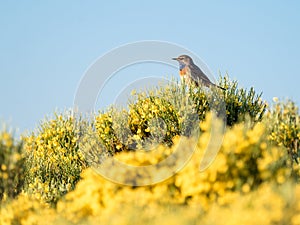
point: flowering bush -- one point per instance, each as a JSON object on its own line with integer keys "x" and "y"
{"x": 26, "y": 211}
{"x": 241, "y": 103}
{"x": 247, "y": 181}
{"x": 11, "y": 165}
{"x": 268, "y": 205}
{"x": 53, "y": 159}
{"x": 245, "y": 162}
{"x": 155, "y": 117}
{"x": 162, "y": 113}
{"x": 284, "y": 126}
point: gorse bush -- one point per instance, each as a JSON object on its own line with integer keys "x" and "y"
{"x": 268, "y": 205}
{"x": 154, "y": 117}
{"x": 198, "y": 169}
{"x": 246, "y": 163}
{"x": 241, "y": 103}
{"x": 284, "y": 125}
{"x": 161, "y": 113}
{"x": 53, "y": 159}
{"x": 26, "y": 210}
{"x": 11, "y": 165}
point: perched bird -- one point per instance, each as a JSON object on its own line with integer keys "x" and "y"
{"x": 191, "y": 73}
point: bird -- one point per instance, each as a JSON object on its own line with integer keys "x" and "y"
{"x": 191, "y": 73}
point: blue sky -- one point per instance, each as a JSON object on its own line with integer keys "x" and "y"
{"x": 46, "y": 46}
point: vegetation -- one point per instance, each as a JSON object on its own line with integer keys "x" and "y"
{"x": 162, "y": 113}
{"x": 52, "y": 175}
{"x": 11, "y": 165}
{"x": 53, "y": 161}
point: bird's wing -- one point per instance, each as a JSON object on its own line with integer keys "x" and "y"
{"x": 197, "y": 75}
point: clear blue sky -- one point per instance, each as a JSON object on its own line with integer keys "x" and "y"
{"x": 46, "y": 46}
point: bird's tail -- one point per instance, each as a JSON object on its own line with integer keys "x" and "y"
{"x": 215, "y": 85}
{"x": 224, "y": 89}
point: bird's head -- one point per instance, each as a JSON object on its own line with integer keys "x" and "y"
{"x": 184, "y": 60}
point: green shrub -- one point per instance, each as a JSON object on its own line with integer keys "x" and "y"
{"x": 284, "y": 124}
{"x": 11, "y": 165}
{"x": 246, "y": 163}
{"x": 157, "y": 115}
{"x": 241, "y": 103}
{"x": 53, "y": 159}
{"x": 154, "y": 117}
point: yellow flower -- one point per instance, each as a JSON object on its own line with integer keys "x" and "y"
{"x": 3, "y": 167}
{"x": 119, "y": 146}
{"x": 246, "y": 188}
{"x": 263, "y": 145}
{"x": 296, "y": 219}
{"x": 5, "y": 176}
{"x": 106, "y": 130}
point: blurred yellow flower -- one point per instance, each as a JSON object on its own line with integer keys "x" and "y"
{"x": 3, "y": 167}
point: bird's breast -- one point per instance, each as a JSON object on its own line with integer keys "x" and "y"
{"x": 183, "y": 71}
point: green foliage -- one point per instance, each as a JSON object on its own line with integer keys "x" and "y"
{"x": 156, "y": 116}
{"x": 153, "y": 117}
{"x": 241, "y": 103}
{"x": 284, "y": 124}
{"x": 253, "y": 159}
{"x": 245, "y": 164}
{"x": 53, "y": 159}
{"x": 11, "y": 165}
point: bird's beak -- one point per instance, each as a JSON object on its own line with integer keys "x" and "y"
{"x": 175, "y": 58}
